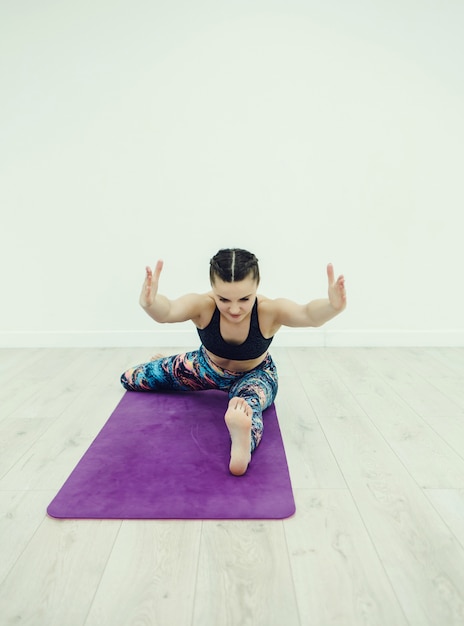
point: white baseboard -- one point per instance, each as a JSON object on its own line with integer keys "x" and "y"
{"x": 189, "y": 339}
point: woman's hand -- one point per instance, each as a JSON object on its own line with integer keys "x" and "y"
{"x": 337, "y": 293}
{"x": 150, "y": 285}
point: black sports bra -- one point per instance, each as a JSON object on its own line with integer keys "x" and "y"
{"x": 254, "y": 346}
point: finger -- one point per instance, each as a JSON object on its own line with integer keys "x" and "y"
{"x": 158, "y": 268}
{"x": 341, "y": 287}
{"x": 330, "y": 273}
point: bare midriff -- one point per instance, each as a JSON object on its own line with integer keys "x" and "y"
{"x": 235, "y": 366}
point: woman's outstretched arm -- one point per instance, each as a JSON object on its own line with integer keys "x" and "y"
{"x": 161, "y": 308}
{"x": 317, "y": 312}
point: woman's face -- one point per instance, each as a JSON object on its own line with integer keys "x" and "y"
{"x": 235, "y": 300}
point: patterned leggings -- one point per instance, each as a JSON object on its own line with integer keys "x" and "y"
{"x": 194, "y": 371}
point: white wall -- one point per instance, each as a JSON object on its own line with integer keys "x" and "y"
{"x": 305, "y": 131}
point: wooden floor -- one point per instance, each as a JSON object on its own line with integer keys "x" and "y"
{"x": 375, "y": 445}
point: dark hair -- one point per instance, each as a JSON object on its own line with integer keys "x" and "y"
{"x": 232, "y": 264}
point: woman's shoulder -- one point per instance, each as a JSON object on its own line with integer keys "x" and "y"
{"x": 206, "y": 309}
{"x": 267, "y": 316}
{"x": 265, "y": 304}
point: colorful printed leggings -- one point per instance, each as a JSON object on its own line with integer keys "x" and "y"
{"x": 194, "y": 371}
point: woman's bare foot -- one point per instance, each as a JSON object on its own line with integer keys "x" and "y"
{"x": 238, "y": 421}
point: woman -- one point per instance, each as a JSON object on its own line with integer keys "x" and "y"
{"x": 236, "y": 327}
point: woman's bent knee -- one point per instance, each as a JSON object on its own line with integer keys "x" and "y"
{"x": 134, "y": 380}
{"x": 126, "y": 380}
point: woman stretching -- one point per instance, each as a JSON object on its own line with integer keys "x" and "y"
{"x": 236, "y": 327}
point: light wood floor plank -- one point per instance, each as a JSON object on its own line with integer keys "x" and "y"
{"x": 428, "y": 457}
{"x": 451, "y": 429}
{"x": 310, "y": 459}
{"x": 15, "y": 361}
{"x": 49, "y": 461}
{"x": 421, "y": 557}
{"x": 452, "y": 388}
{"x": 450, "y": 505}
{"x": 150, "y": 577}
{"x": 20, "y": 379}
{"x": 419, "y": 392}
{"x": 17, "y": 437}
{"x": 426, "y": 362}
{"x": 452, "y": 358}
{"x": 338, "y": 576}
{"x": 318, "y": 362}
{"x": 61, "y": 379}
{"x": 21, "y": 513}
{"x": 244, "y": 576}
{"x": 54, "y": 580}
{"x": 37, "y": 385}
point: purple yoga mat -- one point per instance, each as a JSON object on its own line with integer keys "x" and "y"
{"x": 166, "y": 456}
